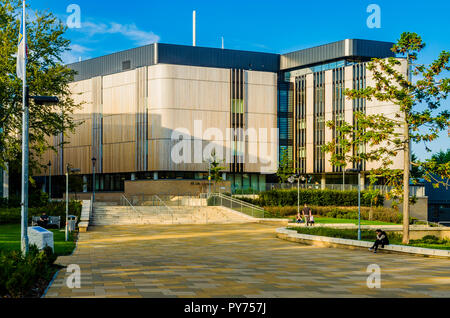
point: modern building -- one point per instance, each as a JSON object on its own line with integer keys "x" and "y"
{"x": 143, "y": 109}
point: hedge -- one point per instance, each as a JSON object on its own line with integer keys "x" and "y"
{"x": 13, "y": 215}
{"x": 26, "y": 276}
{"x": 312, "y": 197}
{"x": 373, "y": 214}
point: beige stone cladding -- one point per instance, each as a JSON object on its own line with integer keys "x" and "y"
{"x": 390, "y": 110}
{"x": 197, "y": 100}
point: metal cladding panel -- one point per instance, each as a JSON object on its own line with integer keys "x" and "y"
{"x": 220, "y": 58}
{"x": 368, "y": 48}
{"x": 110, "y": 64}
{"x": 335, "y": 51}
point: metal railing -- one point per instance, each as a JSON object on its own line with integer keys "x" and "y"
{"x": 169, "y": 210}
{"x": 138, "y": 203}
{"x": 125, "y": 202}
{"x": 168, "y": 200}
{"x": 218, "y": 199}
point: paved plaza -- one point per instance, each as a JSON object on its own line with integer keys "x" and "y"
{"x": 241, "y": 260}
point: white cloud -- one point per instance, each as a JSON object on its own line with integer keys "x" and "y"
{"x": 130, "y": 31}
{"x": 76, "y": 48}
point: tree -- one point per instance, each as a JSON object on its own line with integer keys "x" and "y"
{"x": 341, "y": 147}
{"x": 45, "y": 76}
{"x": 285, "y": 169}
{"x": 416, "y": 171}
{"x": 216, "y": 169}
{"x": 441, "y": 157}
{"x": 419, "y": 117}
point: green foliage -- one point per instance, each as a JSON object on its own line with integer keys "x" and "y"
{"x": 285, "y": 170}
{"x": 313, "y": 197}
{"x": 374, "y": 214}
{"x": 384, "y": 134}
{"x": 442, "y": 157}
{"x": 368, "y": 235}
{"x": 216, "y": 169}
{"x": 13, "y": 215}
{"x": 46, "y": 75}
{"x": 19, "y": 274}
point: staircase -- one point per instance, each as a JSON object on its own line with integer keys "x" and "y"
{"x": 113, "y": 214}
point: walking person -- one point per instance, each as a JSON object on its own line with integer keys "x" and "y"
{"x": 382, "y": 240}
{"x": 307, "y": 213}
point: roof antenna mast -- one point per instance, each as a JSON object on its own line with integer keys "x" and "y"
{"x": 193, "y": 28}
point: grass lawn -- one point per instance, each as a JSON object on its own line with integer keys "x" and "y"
{"x": 367, "y": 235}
{"x": 10, "y": 239}
{"x": 327, "y": 220}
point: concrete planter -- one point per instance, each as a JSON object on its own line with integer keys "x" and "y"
{"x": 325, "y": 241}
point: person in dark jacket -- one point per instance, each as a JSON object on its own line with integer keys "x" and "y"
{"x": 382, "y": 240}
{"x": 43, "y": 220}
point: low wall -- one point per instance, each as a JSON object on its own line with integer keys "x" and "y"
{"x": 174, "y": 187}
{"x": 325, "y": 241}
{"x": 99, "y": 196}
{"x": 86, "y": 215}
{"x": 416, "y": 232}
{"x": 419, "y": 210}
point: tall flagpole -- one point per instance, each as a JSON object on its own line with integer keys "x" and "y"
{"x": 24, "y": 203}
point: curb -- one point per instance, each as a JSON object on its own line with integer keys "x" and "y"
{"x": 294, "y": 236}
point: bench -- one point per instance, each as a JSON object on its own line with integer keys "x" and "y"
{"x": 52, "y": 220}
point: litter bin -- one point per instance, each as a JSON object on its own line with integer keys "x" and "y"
{"x": 72, "y": 222}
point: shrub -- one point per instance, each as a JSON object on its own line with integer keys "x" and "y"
{"x": 368, "y": 235}
{"x": 13, "y": 215}
{"x": 313, "y": 197}
{"x": 378, "y": 214}
{"x": 19, "y": 274}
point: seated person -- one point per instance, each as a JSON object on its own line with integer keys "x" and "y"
{"x": 382, "y": 240}
{"x": 298, "y": 218}
{"x": 43, "y": 220}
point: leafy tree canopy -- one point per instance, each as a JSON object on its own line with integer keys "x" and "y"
{"x": 46, "y": 75}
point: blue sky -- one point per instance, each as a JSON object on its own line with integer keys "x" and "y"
{"x": 267, "y": 26}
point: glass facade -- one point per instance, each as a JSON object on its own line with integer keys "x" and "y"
{"x": 359, "y": 105}
{"x": 338, "y": 108}
{"x": 237, "y": 120}
{"x": 300, "y": 121}
{"x": 285, "y": 110}
{"x": 319, "y": 121}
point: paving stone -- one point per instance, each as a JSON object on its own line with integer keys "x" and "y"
{"x": 236, "y": 260}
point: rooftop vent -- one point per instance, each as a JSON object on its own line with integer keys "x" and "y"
{"x": 126, "y": 65}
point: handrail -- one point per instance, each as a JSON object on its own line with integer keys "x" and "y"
{"x": 132, "y": 207}
{"x": 171, "y": 211}
{"x": 246, "y": 204}
{"x": 238, "y": 203}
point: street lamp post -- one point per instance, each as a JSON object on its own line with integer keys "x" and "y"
{"x": 68, "y": 170}
{"x": 209, "y": 178}
{"x": 359, "y": 200}
{"x": 49, "y": 164}
{"x": 38, "y": 100}
{"x": 93, "y": 178}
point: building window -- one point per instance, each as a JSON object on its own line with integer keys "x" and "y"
{"x": 338, "y": 109}
{"x": 285, "y": 109}
{"x": 359, "y": 105}
{"x": 237, "y": 108}
{"x": 319, "y": 121}
{"x": 300, "y": 131}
